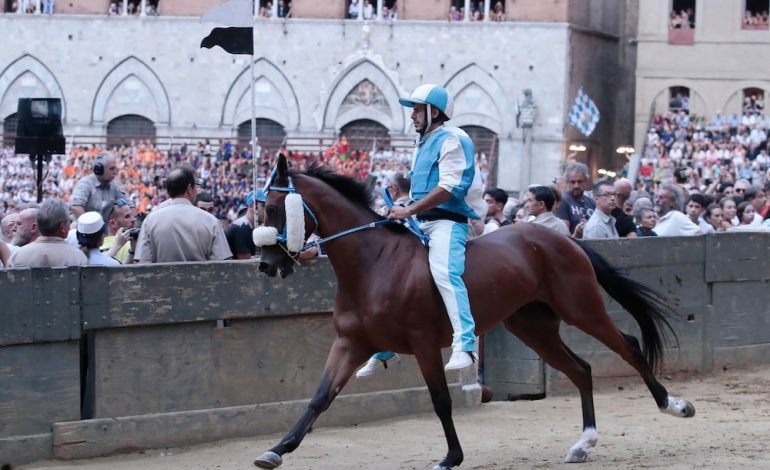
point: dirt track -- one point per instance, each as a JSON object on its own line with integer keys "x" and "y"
{"x": 730, "y": 430}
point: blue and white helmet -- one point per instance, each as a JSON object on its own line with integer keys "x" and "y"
{"x": 432, "y": 95}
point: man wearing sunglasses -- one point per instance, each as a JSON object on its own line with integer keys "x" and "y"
{"x": 95, "y": 191}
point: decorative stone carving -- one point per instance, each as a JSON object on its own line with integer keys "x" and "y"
{"x": 366, "y": 94}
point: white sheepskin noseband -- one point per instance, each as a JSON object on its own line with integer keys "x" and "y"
{"x": 264, "y": 236}
{"x": 295, "y": 226}
{"x": 295, "y": 222}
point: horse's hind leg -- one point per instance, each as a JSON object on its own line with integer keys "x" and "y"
{"x": 590, "y": 316}
{"x": 538, "y": 327}
{"x": 432, "y": 368}
{"x": 343, "y": 359}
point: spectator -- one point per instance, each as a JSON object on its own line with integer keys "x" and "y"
{"x": 714, "y": 217}
{"x": 120, "y": 242}
{"x": 757, "y": 197}
{"x": 647, "y": 219}
{"x": 729, "y": 218}
{"x": 540, "y": 203}
{"x": 495, "y": 199}
{"x": 576, "y": 207}
{"x": 48, "y": 7}
{"x": 696, "y": 205}
{"x": 90, "y": 234}
{"x": 353, "y": 8}
{"x": 624, "y": 222}
{"x": 95, "y": 191}
{"x": 671, "y": 222}
{"x": 177, "y": 230}
{"x": 8, "y": 227}
{"x": 239, "y": 233}
{"x": 745, "y": 214}
{"x": 50, "y": 249}
{"x": 520, "y": 214}
{"x": 26, "y": 227}
{"x": 601, "y": 225}
{"x": 498, "y": 12}
{"x": 5, "y": 253}
{"x": 284, "y": 9}
{"x": 204, "y": 201}
{"x": 454, "y": 14}
{"x": 368, "y": 10}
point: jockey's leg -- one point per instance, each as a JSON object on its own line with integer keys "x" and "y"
{"x": 446, "y": 255}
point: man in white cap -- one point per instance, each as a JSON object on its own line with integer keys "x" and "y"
{"x": 447, "y": 190}
{"x": 90, "y": 235}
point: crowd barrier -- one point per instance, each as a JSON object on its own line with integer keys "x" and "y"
{"x": 98, "y": 360}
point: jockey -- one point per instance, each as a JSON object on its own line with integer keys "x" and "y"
{"x": 447, "y": 190}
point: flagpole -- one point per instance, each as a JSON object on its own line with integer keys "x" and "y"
{"x": 254, "y": 156}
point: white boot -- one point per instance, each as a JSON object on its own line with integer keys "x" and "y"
{"x": 373, "y": 365}
{"x": 461, "y": 360}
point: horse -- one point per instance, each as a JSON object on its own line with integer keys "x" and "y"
{"x": 525, "y": 276}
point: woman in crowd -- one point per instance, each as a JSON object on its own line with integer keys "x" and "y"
{"x": 745, "y": 214}
{"x": 90, "y": 233}
{"x": 714, "y": 216}
{"x": 646, "y": 218}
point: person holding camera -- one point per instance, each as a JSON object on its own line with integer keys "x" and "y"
{"x": 120, "y": 220}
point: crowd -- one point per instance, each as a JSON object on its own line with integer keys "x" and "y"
{"x": 497, "y": 13}
{"x": 283, "y": 10}
{"x": 683, "y": 19}
{"x": 758, "y": 19}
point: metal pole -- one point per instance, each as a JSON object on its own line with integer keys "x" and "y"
{"x": 39, "y": 161}
{"x": 254, "y": 151}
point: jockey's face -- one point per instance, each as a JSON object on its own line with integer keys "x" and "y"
{"x": 418, "y": 117}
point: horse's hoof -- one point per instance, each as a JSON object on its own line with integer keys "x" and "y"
{"x": 576, "y": 456}
{"x": 268, "y": 460}
{"x": 679, "y": 408}
{"x": 689, "y": 410}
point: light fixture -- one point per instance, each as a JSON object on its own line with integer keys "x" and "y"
{"x": 577, "y": 148}
{"x": 625, "y": 150}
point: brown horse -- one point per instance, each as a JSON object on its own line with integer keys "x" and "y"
{"x": 525, "y": 276}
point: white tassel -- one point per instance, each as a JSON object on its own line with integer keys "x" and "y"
{"x": 295, "y": 222}
{"x": 265, "y": 236}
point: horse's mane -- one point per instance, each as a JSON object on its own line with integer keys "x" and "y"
{"x": 351, "y": 189}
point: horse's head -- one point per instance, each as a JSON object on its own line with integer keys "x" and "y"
{"x": 285, "y": 230}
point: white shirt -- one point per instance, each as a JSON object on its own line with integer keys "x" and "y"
{"x": 675, "y": 224}
{"x": 600, "y": 226}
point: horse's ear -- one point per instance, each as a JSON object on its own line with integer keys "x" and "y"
{"x": 283, "y": 166}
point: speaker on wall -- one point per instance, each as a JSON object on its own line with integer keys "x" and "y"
{"x": 39, "y": 130}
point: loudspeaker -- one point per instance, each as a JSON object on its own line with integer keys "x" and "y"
{"x": 99, "y": 167}
{"x": 39, "y": 130}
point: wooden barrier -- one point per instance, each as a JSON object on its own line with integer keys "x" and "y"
{"x": 98, "y": 360}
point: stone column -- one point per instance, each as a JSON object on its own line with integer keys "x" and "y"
{"x": 19, "y": 8}
{"x": 39, "y": 8}
{"x": 125, "y": 7}
{"x": 360, "y": 9}
{"x": 486, "y": 9}
{"x": 467, "y": 7}
{"x": 144, "y": 8}
{"x": 380, "y": 4}
{"x": 274, "y": 9}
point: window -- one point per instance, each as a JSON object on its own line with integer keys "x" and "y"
{"x": 130, "y": 127}
{"x": 133, "y": 7}
{"x": 682, "y": 14}
{"x": 270, "y": 134}
{"x": 9, "y": 130}
{"x": 753, "y": 101}
{"x": 679, "y": 99}
{"x": 365, "y": 134}
{"x": 755, "y": 14}
{"x": 487, "y": 149}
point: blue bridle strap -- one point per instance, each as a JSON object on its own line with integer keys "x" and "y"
{"x": 411, "y": 224}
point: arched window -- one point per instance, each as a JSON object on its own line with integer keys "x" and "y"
{"x": 9, "y": 129}
{"x": 487, "y": 149}
{"x": 753, "y": 101}
{"x": 270, "y": 134}
{"x": 679, "y": 99}
{"x": 124, "y": 129}
{"x": 365, "y": 134}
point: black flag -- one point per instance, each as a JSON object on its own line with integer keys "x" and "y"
{"x": 233, "y": 40}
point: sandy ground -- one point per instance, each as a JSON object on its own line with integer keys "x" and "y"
{"x": 730, "y": 430}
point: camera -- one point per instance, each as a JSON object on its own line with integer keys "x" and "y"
{"x": 133, "y": 233}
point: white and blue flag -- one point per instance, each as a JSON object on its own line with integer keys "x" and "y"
{"x": 584, "y": 114}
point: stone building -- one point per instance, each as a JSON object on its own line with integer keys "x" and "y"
{"x": 319, "y": 74}
{"x": 713, "y": 64}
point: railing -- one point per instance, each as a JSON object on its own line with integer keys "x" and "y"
{"x": 681, "y": 37}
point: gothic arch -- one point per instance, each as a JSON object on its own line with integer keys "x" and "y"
{"x": 700, "y": 104}
{"x": 391, "y": 115}
{"x": 126, "y": 89}
{"x": 479, "y": 100}
{"x": 736, "y": 92}
{"x": 45, "y": 84}
{"x": 278, "y": 102}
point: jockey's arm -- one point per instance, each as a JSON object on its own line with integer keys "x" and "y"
{"x": 437, "y": 196}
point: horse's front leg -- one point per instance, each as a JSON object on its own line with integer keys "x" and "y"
{"x": 343, "y": 359}
{"x": 432, "y": 368}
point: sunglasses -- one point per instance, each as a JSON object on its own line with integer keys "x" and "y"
{"x": 119, "y": 202}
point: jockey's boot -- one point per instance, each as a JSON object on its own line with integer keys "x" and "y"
{"x": 461, "y": 360}
{"x": 375, "y": 363}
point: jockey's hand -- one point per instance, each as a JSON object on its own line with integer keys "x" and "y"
{"x": 397, "y": 212}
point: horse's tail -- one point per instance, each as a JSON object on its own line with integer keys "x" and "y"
{"x": 649, "y": 307}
